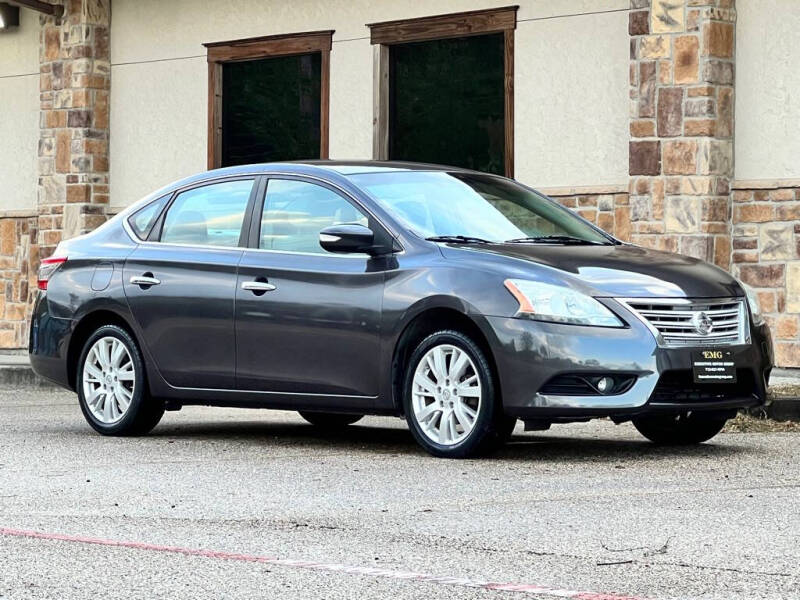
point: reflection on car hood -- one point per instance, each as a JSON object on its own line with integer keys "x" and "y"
{"x": 625, "y": 270}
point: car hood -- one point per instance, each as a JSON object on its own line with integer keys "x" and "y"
{"x": 622, "y": 271}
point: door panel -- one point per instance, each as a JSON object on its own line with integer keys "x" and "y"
{"x": 187, "y": 318}
{"x": 316, "y": 332}
{"x": 315, "y": 328}
{"x": 181, "y": 289}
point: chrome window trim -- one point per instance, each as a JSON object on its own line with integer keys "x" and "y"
{"x": 743, "y": 330}
{"x": 133, "y": 208}
{"x": 360, "y": 255}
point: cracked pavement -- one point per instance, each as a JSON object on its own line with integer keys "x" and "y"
{"x": 584, "y": 507}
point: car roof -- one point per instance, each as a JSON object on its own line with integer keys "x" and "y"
{"x": 333, "y": 169}
{"x": 338, "y": 167}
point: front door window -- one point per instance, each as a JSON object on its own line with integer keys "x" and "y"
{"x": 296, "y": 211}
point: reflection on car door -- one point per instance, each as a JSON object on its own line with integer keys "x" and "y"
{"x": 181, "y": 287}
{"x": 307, "y": 320}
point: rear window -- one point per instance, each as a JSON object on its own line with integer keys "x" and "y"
{"x": 142, "y": 220}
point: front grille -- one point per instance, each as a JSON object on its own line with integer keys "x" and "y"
{"x": 678, "y": 386}
{"x": 676, "y": 321}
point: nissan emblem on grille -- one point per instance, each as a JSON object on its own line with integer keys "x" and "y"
{"x": 702, "y": 323}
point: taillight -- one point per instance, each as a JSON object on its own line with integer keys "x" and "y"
{"x": 47, "y": 267}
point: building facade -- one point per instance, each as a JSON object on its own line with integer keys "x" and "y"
{"x": 671, "y": 124}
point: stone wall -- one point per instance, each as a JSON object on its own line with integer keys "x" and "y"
{"x": 75, "y": 83}
{"x": 681, "y": 125}
{"x": 766, "y": 255}
{"x": 19, "y": 260}
{"x": 610, "y": 212}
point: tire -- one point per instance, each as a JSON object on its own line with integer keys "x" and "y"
{"x": 679, "y": 430}
{"x": 449, "y": 420}
{"x": 104, "y": 388}
{"x": 325, "y": 420}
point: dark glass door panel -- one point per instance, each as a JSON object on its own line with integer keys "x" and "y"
{"x": 447, "y": 102}
{"x": 271, "y": 109}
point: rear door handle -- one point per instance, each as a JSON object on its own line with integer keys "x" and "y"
{"x": 258, "y": 287}
{"x": 145, "y": 280}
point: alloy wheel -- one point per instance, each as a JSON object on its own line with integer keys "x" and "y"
{"x": 109, "y": 380}
{"x": 446, "y": 395}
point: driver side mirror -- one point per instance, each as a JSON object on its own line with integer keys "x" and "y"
{"x": 348, "y": 238}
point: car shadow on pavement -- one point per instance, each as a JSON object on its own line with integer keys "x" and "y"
{"x": 581, "y": 449}
{"x": 375, "y": 439}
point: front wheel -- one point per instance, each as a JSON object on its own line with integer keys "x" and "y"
{"x": 449, "y": 397}
{"x": 111, "y": 385}
{"x": 679, "y": 430}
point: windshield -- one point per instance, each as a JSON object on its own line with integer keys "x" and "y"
{"x": 436, "y": 204}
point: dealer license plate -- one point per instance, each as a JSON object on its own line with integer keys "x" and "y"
{"x": 713, "y": 366}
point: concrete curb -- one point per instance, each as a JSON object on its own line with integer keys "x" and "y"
{"x": 784, "y": 394}
{"x": 16, "y": 376}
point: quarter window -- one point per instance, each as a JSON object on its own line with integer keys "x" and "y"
{"x": 296, "y": 211}
{"x": 142, "y": 220}
{"x": 209, "y": 216}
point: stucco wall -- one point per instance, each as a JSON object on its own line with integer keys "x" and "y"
{"x": 19, "y": 114}
{"x": 767, "y": 90}
{"x": 571, "y": 100}
{"x": 571, "y": 82}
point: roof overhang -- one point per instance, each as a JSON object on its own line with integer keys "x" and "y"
{"x": 55, "y": 10}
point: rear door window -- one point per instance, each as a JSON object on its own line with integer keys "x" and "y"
{"x": 211, "y": 215}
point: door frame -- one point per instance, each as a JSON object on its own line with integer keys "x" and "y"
{"x": 438, "y": 27}
{"x": 258, "y": 180}
{"x": 255, "y": 48}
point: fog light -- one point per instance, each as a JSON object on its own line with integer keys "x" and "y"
{"x": 605, "y": 384}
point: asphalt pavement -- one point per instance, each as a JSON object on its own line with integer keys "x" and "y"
{"x": 227, "y": 503}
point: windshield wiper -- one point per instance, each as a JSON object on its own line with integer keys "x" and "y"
{"x": 558, "y": 239}
{"x": 458, "y": 239}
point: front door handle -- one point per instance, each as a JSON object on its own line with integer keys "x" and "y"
{"x": 145, "y": 280}
{"x": 258, "y": 287}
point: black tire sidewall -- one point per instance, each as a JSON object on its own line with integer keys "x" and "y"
{"x": 326, "y": 420}
{"x": 484, "y": 431}
{"x": 681, "y": 431}
{"x": 130, "y": 421}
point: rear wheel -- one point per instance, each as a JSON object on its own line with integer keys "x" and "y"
{"x": 449, "y": 398}
{"x": 679, "y": 430}
{"x": 329, "y": 420}
{"x": 112, "y": 390}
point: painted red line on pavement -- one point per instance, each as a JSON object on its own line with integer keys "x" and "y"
{"x": 321, "y": 566}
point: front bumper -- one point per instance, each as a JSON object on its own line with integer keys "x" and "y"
{"x": 529, "y": 354}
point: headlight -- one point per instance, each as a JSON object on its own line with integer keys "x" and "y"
{"x": 752, "y": 301}
{"x": 547, "y": 302}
